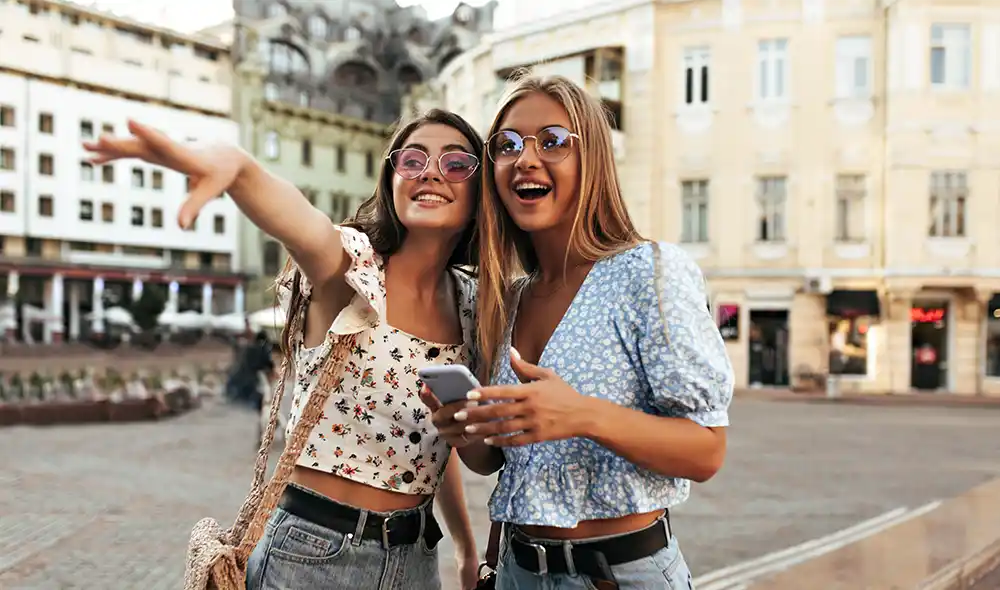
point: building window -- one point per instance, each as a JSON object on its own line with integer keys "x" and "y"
{"x": 6, "y": 159}
{"x": 772, "y": 69}
{"x": 107, "y": 129}
{"x": 370, "y": 164}
{"x": 45, "y": 206}
{"x": 696, "y": 62}
{"x": 158, "y": 180}
{"x": 276, "y": 10}
{"x": 771, "y": 192}
{"x": 272, "y": 257}
{"x": 849, "y": 344}
{"x": 6, "y": 116}
{"x": 272, "y": 145}
{"x": 108, "y": 212}
{"x": 46, "y": 165}
{"x": 156, "y": 217}
{"x": 138, "y": 178}
{"x": 318, "y": 27}
{"x": 86, "y": 129}
{"x": 138, "y": 216}
{"x": 86, "y": 210}
{"x": 46, "y": 123}
{"x": 304, "y": 99}
{"x": 108, "y": 174}
{"x": 352, "y": 34}
{"x": 86, "y": 171}
{"x": 694, "y": 211}
{"x": 307, "y": 153}
{"x": 951, "y": 56}
{"x": 993, "y": 337}
{"x": 851, "y": 190}
{"x": 341, "y": 159}
{"x": 270, "y": 91}
{"x": 6, "y": 202}
{"x": 854, "y": 63}
{"x": 220, "y": 224}
{"x": 949, "y": 194}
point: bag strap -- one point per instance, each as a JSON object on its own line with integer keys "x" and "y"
{"x": 493, "y": 546}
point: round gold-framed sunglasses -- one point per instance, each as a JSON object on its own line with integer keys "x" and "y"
{"x": 552, "y": 144}
{"x": 410, "y": 163}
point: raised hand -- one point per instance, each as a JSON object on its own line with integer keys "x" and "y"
{"x": 211, "y": 170}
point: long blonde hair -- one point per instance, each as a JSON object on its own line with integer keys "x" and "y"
{"x": 601, "y": 225}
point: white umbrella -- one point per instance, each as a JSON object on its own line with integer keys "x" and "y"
{"x": 186, "y": 320}
{"x": 230, "y": 322}
{"x": 118, "y": 316}
{"x": 271, "y": 318}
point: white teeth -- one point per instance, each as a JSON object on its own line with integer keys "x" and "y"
{"x": 529, "y": 185}
{"x": 430, "y": 198}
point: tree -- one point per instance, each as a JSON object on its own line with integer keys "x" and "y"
{"x": 147, "y": 309}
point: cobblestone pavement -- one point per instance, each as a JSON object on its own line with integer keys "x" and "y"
{"x": 109, "y": 507}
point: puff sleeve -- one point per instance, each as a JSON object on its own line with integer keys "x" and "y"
{"x": 365, "y": 276}
{"x": 682, "y": 352}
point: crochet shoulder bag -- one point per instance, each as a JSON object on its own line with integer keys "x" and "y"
{"x": 217, "y": 558}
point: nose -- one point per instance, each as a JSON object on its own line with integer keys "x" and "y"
{"x": 432, "y": 172}
{"x": 528, "y": 159}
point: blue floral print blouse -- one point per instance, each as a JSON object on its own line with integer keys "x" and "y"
{"x": 638, "y": 333}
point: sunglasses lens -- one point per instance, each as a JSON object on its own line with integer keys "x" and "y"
{"x": 505, "y": 146}
{"x": 409, "y": 163}
{"x": 554, "y": 143}
{"x": 458, "y": 166}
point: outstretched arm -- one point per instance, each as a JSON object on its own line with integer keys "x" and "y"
{"x": 272, "y": 204}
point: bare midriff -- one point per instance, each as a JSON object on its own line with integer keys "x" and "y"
{"x": 353, "y": 493}
{"x": 594, "y": 528}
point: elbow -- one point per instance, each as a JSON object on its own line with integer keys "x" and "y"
{"x": 710, "y": 462}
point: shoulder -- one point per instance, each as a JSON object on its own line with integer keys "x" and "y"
{"x": 652, "y": 272}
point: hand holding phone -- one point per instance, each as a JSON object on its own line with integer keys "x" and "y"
{"x": 448, "y": 383}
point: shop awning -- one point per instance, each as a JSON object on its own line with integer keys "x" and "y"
{"x": 845, "y": 303}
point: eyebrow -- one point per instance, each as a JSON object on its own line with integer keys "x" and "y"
{"x": 451, "y": 147}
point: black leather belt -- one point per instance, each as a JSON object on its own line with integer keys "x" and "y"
{"x": 588, "y": 558}
{"x": 393, "y": 531}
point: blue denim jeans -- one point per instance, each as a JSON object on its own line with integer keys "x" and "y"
{"x": 664, "y": 570}
{"x": 295, "y": 554}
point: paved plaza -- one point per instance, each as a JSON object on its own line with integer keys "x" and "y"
{"x": 109, "y": 507}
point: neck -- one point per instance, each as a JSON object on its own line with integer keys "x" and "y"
{"x": 551, "y": 248}
{"x": 420, "y": 262}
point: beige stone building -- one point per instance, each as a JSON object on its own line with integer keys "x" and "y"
{"x": 833, "y": 166}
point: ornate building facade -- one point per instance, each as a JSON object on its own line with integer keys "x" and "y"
{"x": 833, "y": 167}
{"x": 319, "y": 84}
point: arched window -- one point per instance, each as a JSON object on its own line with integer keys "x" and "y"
{"x": 286, "y": 59}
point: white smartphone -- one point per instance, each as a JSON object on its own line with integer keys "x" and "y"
{"x": 449, "y": 383}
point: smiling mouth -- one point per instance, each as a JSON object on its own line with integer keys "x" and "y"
{"x": 530, "y": 191}
{"x": 430, "y": 198}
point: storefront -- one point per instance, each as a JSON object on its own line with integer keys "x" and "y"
{"x": 851, "y": 318}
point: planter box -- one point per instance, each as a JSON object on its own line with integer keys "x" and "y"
{"x": 135, "y": 410}
{"x": 81, "y": 412}
{"x": 10, "y": 414}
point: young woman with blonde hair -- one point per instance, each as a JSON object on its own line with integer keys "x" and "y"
{"x": 358, "y": 510}
{"x": 614, "y": 377}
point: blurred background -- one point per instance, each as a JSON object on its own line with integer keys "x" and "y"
{"x": 833, "y": 166}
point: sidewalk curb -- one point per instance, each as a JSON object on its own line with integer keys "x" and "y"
{"x": 968, "y": 573}
{"x": 943, "y": 400}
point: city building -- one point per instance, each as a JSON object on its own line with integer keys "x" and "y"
{"x": 833, "y": 166}
{"x": 318, "y": 86}
{"x": 76, "y": 238}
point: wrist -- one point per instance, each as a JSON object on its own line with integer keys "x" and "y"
{"x": 592, "y": 418}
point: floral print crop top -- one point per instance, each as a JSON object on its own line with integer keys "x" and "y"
{"x": 374, "y": 428}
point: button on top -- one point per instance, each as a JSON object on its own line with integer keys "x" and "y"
{"x": 433, "y": 352}
{"x": 414, "y": 437}
{"x": 408, "y": 477}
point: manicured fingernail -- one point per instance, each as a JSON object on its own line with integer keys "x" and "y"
{"x": 488, "y": 441}
{"x": 474, "y": 395}
{"x": 472, "y": 405}
{"x": 514, "y": 353}
{"x": 461, "y": 416}
{"x": 470, "y": 429}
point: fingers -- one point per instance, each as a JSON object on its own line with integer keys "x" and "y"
{"x": 202, "y": 191}
{"x": 429, "y": 399}
{"x": 524, "y": 370}
{"x": 487, "y": 413}
{"x": 169, "y": 152}
{"x": 107, "y": 149}
{"x": 500, "y": 427}
{"x": 514, "y": 440}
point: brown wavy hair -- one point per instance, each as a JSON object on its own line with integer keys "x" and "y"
{"x": 377, "y": 218}
{"x": 601, "y": 226}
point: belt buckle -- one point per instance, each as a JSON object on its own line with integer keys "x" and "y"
{"x": 542, "y": 553}
{"x": 385, "y": 530}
